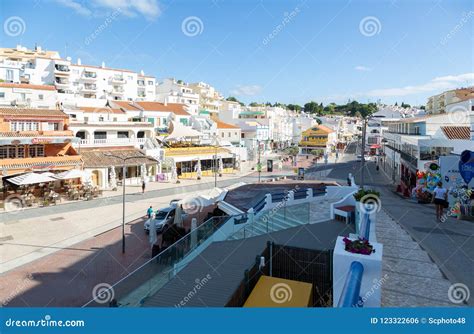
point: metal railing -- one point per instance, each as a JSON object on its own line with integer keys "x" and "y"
{"x": 133, "y": 289}
{"x": 116, "y": 141}
{"x": 350, "y": 296}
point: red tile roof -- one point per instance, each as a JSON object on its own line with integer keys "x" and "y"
{"x": 457, "y": 132}
{"x": 223, "y": 125}
{"x": 176, "y": 108}
{"x": 101, "y": 110}
{"x": 125, "y": 105}
{"x": 32, "y": 112}
{"x": 26, "y": 86}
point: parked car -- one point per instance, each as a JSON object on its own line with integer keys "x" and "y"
{"x": 164, "y": 218}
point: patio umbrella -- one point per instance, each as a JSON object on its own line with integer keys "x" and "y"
{"x": 143, "y": 171}
{"x": 30, "y": 178}
{"x": 174, "y": 172}
{"x": 178, "y": 216}
{"x": 70, "y": 174}
{"x": 152, "y": 237}
{"x": 221, "y": 167}
{"x": 113, "y": 177}
{"x": 198, "y": 169}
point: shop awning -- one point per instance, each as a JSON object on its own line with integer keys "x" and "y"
{"x": 30, "y": 178}
{"x": 375, "y": 146}
{"x": 180, "y": 132}
{"x": 70, "y": 174}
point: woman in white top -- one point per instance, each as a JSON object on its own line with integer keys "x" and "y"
{"x": 440, "y": 196}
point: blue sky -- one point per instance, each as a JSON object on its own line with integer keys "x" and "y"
{"x": 275, "y": 50}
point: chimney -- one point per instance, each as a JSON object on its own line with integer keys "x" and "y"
{"x": 18, "y": 47}
{"x": 79, "y": 61}
{"x": 103, "y": 65}
{"x": 142, "y": 73}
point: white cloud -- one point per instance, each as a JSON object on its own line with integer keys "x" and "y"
{"x": 150, "y": 9}
{"x": 77, "y": 7}
{"x": 434, "y": 86}
{"x": 247, "y": 90}
{"x": 362, "y": 68}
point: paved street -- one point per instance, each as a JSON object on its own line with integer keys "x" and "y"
{"x": 449, "y": 244}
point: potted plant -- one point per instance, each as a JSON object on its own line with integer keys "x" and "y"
{"x": 367, "y": 196}
{"x": 358, "y": 246}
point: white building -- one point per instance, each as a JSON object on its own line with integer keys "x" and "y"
{"x": 107, "y": 127}
{"x": 28, "y": 96}
{"x": 76, "y": 84}
{"x": 176, "y": 91}
{"x": 209, "y": 97}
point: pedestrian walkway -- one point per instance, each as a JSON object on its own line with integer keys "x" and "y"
{"x": 411, "y": 278}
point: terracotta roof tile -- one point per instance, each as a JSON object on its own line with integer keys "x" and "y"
{"x": 101, "y": 110}
{"x": 99, "y": 158}
{"x": 125, "y": 105}
{"x": 223, "y": 125}
{"x": 32, "y": 112}
{"x": 176, "y": 108}
{"x": 26, "y": 86}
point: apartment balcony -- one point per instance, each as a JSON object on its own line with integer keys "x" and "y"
{"x": 112, "y": 142}
{"x": 117, "y": 80}
{"x": 88, "y": 89}
{"x": 61, "y": 83}
{"x": 61, "y": 70}
{"x": 118, "y": 91}
{"x": 89, "y": 76}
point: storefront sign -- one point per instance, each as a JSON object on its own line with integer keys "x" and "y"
{"x": 466, "y": 166}
{"x": 41, "y": 141}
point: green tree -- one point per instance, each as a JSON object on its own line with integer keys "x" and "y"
{"x": 294, "y": 107}
{"x": 232, "y": 99}
{"x": 311, "y": 107}
{"x": 254, "y": 104}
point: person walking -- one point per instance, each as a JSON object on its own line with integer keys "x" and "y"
{"x": 377, "y": 168}
{"x": 143, "y": 187}
{"x": 149, "y": 212}
{"x": 440, "y": 196}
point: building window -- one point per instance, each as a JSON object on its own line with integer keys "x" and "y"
{"x": 100, "y": 135}
{"x": 9, "y": 76}
{"x": 36, "y": 151}
{"x": 228, "y": 134}
{"x": 150, "y": 83}
{"x": 24, "y": 126}
{"x": 222, "y": 134}
{"x": 122, "y": 134}
{"x": 41, "y": 97}
{"x": 101, "y": 119}
{"x": 2, "y": 95}
{"x": 53, "y": 126}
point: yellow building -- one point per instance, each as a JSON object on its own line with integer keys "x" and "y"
{"x": 315, "y": 138}
{"x": 210, "y": 158}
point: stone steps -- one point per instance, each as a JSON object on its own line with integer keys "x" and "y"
{"x": 412, "y": 278}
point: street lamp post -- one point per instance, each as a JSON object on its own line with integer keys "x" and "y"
{"x": 259, "y": 166}
{"x": 216, "y": 143}
{"x": 123, "y": 191}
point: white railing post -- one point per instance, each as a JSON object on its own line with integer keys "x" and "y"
{"x": 268, "y": 202}
{"x": 309, "y": 193}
